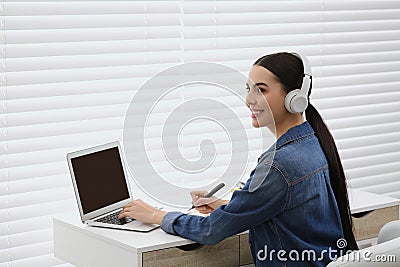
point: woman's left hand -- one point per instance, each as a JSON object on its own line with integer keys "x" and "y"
{"x": 140, "y": 210}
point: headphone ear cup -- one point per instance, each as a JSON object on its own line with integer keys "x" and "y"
{"x": 295, "y": 103}
{"x": 288, "y": 99}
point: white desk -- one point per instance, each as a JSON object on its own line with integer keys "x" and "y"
{"x": 83, "y": 245}
{"x": 361, "y": 201}
{"x": 370, "y": 212}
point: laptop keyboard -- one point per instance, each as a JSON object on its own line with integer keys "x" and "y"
{"x": 113, "y": 219}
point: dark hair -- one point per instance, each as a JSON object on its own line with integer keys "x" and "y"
{"x": 289, "y": 69}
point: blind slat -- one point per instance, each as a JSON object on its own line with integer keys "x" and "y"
{"x": 138, "y": 22}
{"x": 44, "y": 8}
{"x": 372, "y": 170}
{"x": 36, "y": 210}
{"x": 376, "y": 139}
{"x": 375, "y": 150}
{"x": 85, "y": 35}
{"x": 370, "y": 180}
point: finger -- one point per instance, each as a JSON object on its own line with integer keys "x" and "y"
{"x": 126, "y": 211}
{"x": 204, "y": 201}
{"x": 206, "y": 211}
{"x": 123, "y": 215}
{"x": 194, "y": 200}
{"x": 198, "y": 193}
{"x": 199, "y": 202}
{"x": 200, "y": 208}
{"x": 194, "y": 195}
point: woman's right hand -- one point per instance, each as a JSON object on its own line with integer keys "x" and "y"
{"x": 206, "y": 205}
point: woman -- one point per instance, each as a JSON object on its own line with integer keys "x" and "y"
{"x": 301, "y": 203}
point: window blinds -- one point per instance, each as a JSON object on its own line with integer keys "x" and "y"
{"x": 359, "y": 96}
{"x": 70, "y": 68}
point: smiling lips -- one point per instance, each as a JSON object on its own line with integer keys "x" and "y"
{"x": 256, "y": 112}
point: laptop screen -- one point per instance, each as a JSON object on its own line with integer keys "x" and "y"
{"x": 100, "y": 179}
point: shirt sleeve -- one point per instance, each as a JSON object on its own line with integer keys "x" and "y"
{"x": 245, "y": 210}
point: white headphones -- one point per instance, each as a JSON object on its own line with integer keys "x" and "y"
{"x": 296, "y": 101}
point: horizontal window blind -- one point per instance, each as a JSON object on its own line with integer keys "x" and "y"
{"x": 359, "y": 94}
{"x": 353, "y": 47}
{"x": 70, "y": 68}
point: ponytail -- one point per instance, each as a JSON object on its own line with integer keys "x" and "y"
{"x": 336, "y": 173}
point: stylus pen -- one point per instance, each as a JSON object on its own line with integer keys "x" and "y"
{"x": 212, "y": 192}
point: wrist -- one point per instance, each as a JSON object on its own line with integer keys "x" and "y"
{"x": 158, "y": 216}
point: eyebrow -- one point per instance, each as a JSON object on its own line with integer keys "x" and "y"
{"x": 258, "y": 84}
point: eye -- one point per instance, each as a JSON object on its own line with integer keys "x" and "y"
{"x": 260, "y": 90}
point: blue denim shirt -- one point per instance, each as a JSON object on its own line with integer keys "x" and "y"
{"x": 293, "y": 210}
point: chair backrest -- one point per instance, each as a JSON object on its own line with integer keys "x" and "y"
{"x": 389, "y": 231}
{"x": 388, "y": 247}
{"x": 368, "y": 256}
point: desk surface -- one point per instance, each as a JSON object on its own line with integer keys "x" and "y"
{"x": 157, "y": 239}
{"x": 361, "y": 201}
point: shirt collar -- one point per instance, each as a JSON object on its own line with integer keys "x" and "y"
{"x": 294, "y": 133}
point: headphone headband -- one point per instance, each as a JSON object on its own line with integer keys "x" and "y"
{"x": 306, "y": 63}
{"x": 307, "y": 77}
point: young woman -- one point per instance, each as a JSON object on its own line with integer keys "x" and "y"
{"x": 301, "y": 204}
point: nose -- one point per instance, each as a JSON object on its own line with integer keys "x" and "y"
{"x": 250, "y": 99}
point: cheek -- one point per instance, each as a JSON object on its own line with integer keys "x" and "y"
{"x": 276, "y": 104}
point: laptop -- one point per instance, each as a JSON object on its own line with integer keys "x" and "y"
{"x": 101, "y": 187}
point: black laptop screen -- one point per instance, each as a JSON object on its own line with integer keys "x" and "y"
{"x": 100, "y": 179}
